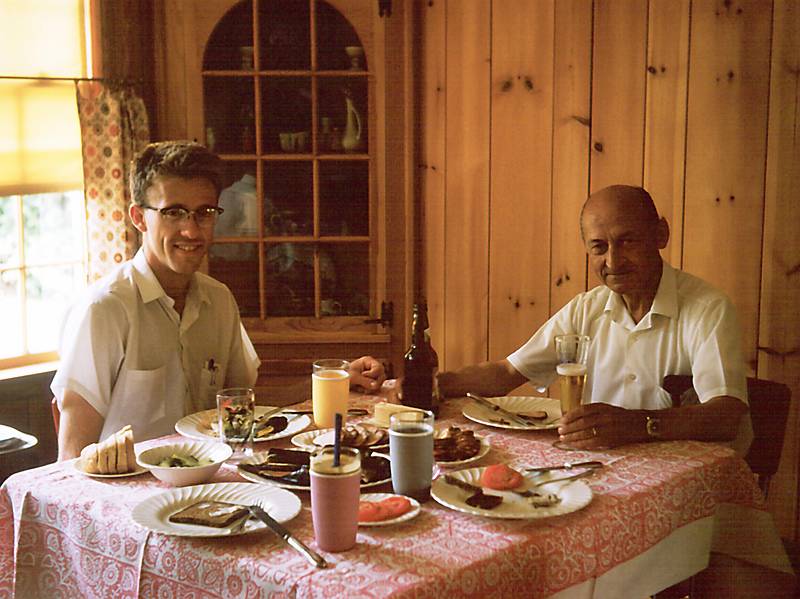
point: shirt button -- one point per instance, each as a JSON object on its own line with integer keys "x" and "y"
{"x": 631, "y": 377}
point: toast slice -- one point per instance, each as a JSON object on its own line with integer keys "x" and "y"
{"x": 216, "y": 514}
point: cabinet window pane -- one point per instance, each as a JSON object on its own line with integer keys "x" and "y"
{"x": 344, "y": 198}
{"x": 288, "y": 197}
{"x": 290, "y": 278}
{"x": 347, "y": 285}
{"x": 236, "y": 265}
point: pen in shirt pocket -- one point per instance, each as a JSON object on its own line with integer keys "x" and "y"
{"x": 212, "y": 369}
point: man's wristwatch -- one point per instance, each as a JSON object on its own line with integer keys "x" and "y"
{"x": 653, "y": 427}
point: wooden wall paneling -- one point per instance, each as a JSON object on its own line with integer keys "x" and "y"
{"x": 572, "y": 73}
{"x": 665, "y": 115}
{"x": 779, "y": 324}
{"x": 394, "y": 98}
{"x": 431, "y": 119}
{"x": 726, "y": 152}
{"x": 618, "y": 92}
{"x": 521, "y": 168}
{"x": 467, "y": 181}
{"x": 170, "y": 49}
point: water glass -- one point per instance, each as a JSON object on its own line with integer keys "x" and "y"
{"x": 411, "y": 453}
{"x": 236, "y": 408}
{"x": 330, "y": 390}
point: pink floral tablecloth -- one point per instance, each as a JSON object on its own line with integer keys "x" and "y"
{"x": 66, "y": 535}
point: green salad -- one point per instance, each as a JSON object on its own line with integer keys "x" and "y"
{"x": 177, "y": 460}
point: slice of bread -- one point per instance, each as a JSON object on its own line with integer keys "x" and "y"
{"x": 122, "y": 454}
{"x": 89, "y": 459}
{"x": 113, "y": 455}
{"x": 210, "y": 513}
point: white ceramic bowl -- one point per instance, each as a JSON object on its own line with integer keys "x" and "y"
{"x": 180, "y": 477}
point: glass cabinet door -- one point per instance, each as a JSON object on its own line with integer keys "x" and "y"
{"x": 287, "y": 103}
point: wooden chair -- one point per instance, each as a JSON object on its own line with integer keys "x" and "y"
{"x": 56, "y": 414}
{"x": 769, "y": 408}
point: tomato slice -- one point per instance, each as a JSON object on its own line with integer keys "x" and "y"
{"x": 396, "y": 505}
{"x": 500, "y": 477}
{"x": 372, "y": 511}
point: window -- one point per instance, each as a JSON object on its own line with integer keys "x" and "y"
{"x": 42, "y": 208}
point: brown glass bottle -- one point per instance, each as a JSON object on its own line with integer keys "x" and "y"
{"x": 419, "y": 366}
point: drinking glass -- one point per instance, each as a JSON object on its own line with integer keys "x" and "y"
{"x": 236, "y": 408}
{"x": 330, "y": 390}
{"x": 411, "y": 453}
{"x": 571, "y": 352}
{"x": 334, "y": 498}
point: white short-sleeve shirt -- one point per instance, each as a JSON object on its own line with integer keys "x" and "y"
{"x": 127, "y": 352}
{"x": 691, "y": 328}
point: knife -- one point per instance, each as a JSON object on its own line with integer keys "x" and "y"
{"x": 278, "y": 528}
{"x": 594, "y": 464}
{"x": 352, "y": 412}
{"x": 516, "y": 418}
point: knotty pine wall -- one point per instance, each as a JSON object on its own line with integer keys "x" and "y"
{"x": 527, "y": 106}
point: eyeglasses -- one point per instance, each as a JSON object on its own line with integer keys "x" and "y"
{"x": 205, "y": 215}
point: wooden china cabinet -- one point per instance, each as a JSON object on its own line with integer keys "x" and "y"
{"x": 306, "y": 101}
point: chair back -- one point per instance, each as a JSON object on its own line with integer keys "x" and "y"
{"x": 56, "y": 414}
{"x": 769, "y": 408}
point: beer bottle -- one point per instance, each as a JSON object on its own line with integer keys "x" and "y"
{"x": 419, "y": 366}
{"x": 436, "y": 396}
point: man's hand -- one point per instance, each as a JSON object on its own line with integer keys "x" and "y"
{"x": 599, "y": 425}
{"x": 368, "y": 373}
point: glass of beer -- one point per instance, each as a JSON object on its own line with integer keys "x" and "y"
{"x": 571, "y": 352}
{"x": 330, "y": 390}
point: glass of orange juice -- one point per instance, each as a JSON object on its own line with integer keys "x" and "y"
{"x": 330, "y": 389}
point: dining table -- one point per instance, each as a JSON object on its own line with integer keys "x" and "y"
{"x": 656, "y": 513}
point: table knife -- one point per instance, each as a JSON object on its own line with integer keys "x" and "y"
{"x": 516, "y": 418}
{"x": 352, "y": 412}
{"x": 278, "y": 528}
{"x": 568, "y": 466}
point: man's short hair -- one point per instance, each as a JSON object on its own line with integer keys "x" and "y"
{"x": 183, "y": 159}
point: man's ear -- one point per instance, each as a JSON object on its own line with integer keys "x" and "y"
{"x": 662, "y": 233}
{"x": 136, "y": 213}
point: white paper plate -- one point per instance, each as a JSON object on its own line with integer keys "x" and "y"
{"x": 485, "y": 447}
{"x": 518, "y": 405}
{"x": 137, "y": 470}
{"x": 574, "y": 496}
{"x": 412, "y": 513}
{"x": 198, "y": 425}
{"x": 154, "y": 513}
{"x": 258, "y": 458}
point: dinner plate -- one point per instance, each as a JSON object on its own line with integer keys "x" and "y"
{"x": 574, "y": 495}
{"x": 153, "y": 513}
{"x": 518, "y": 405}
{"x": 313, "y": 440}
{"x": 485, "y": 447}
{"x": 412, "y": 513}
{"x": 13, "y": 440}
{"x": 198, "y": 425}
{"x": 258, "y": 458}
{"x": 78, "y": 465}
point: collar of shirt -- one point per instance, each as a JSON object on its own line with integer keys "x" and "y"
{"x": 151, "y": 290}
{"x": 665, "y": 303}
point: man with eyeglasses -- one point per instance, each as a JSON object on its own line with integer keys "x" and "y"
{"x": 155, "y": 339}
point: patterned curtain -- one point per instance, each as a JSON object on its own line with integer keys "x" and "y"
{"x": 114, "y": 128}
